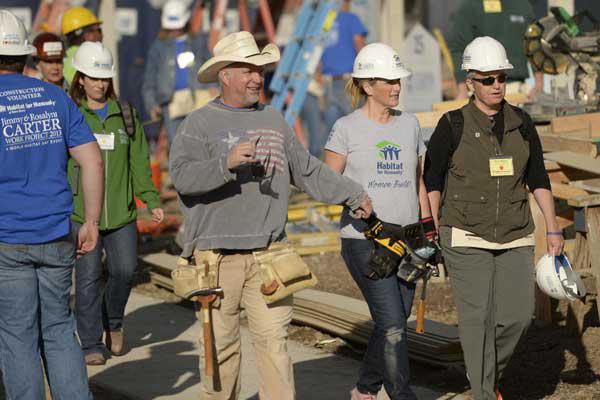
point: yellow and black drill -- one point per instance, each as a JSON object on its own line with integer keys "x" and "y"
{"x": 389, "y": 248}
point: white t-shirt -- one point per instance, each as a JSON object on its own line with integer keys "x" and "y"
{"x": 383, "y": 159}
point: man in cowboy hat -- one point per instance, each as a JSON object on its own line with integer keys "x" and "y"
{"x": 231, "y": 163}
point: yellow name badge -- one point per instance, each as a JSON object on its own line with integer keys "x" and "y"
{"x": 492, "y": 6}
{"x": 501, "y": 166}
{"x": 105, "y": 141}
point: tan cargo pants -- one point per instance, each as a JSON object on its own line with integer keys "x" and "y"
{"x": 240, "y": 280}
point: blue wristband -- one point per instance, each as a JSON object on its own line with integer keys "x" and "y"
{"x": 553, "y": 233}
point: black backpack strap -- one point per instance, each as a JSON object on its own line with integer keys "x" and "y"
{"x": 526, "y": 125}
{"x": 457, "y": 123}
{"x": 127, "y": 111}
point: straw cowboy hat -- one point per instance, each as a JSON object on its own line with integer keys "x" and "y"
{"x": 233, "y": 48}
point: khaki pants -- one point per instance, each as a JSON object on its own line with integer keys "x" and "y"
{"x": 240, "y": 279}
{"x": 494, "y": 295}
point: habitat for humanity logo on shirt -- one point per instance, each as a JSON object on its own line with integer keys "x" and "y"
{"x": 389, "y": 153}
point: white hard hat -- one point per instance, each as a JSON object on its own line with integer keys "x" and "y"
{"x": 485, "y": 54}
{"x": 556, "y": 278}
{"x": 175, "y": 14}
{"x": 378, "y": 60}
{"x": 94, "y": 60}
{"x": 13, "y": 36}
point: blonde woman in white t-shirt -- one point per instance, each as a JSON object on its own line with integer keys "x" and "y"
{"x": 381, "y": 148}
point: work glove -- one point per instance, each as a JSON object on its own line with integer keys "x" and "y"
{"x": 429, "y": 227}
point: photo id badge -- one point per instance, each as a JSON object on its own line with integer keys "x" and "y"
{"x": 105, "y": 141}
{"x": 492, "y": 6}
{"x": 501, "y": 166}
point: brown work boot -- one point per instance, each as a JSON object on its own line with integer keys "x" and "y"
{"x": 95, "y": 359}
{"x": 114, "y": 342}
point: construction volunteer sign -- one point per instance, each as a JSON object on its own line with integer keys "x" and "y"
{"x": 28, "y": 122}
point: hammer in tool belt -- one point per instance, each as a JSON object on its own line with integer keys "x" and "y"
{"x": 205, "y": 297}
{"x": 429, "y": 269}
{"x": 420, "y": 328}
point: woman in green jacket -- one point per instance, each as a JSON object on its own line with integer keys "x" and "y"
{"x": 127, "y": 172}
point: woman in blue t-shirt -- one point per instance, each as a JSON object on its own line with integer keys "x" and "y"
{"x": 126, "y": 172}
{"x": 381, "y": 148}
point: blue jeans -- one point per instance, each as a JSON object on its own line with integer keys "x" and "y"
{"x": 390, "y": 302}
{"x": 36, "y": 322}
{"x": 171, "y": 124}
{"x": 311, "y": 115}
{"x": 97, "y": 307}
{"x": 337, "y": 103}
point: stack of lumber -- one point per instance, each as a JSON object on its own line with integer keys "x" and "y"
{"x": 349, "y": 318}
{"x": 312, "y": 227}
{"x": 344, "y": 317}
{"x": 570, "y": 145}
{"x": 578, "y": 134}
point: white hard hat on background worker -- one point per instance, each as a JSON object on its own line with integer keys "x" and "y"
{"x": 378, "y": 60}
{"x": 13, "y": 36}
{"x": 94, "y": 60}
{"x": 485, "y": 54}
{"x": 175, "y": 14}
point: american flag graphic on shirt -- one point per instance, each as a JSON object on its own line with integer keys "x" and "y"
{"x": 270, "y": 150}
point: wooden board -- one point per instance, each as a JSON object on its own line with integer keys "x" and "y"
{"x": 575, "y": 144}
{"x": 574, "y": 160}
{"x": 566, "y": 175}
{"x": 585, "y": 201}
{"x": 591, "y": 185}
{"x": 429, "y": 119}
{"x": 565, "y": 192}
{"x": 300, "y": 211}
{"x": 575, "y": 122}
{"x": 551, "y": 166}
{"x": 592, "y": 217}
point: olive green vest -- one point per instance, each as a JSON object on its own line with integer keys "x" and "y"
{"x": 494, "y": 208}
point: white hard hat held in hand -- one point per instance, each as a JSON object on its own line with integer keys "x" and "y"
{"x": 175, "y": 14}
{"x": 378, "y": 60}
{"x": 556, "y": 278}
{"x": 94, "y": 60}
{"x": 13, "y": 36}
{"x": 485, "y": 54}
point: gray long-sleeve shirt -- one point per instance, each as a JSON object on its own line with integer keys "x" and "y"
{"x": 245, "y": 208}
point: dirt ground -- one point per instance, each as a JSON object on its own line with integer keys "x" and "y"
{"x": 550, "y": 363}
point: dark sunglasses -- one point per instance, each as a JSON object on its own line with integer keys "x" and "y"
{"x": 489, "y": 81}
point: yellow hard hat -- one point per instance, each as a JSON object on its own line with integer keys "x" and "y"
{"x": 76, "y": 18}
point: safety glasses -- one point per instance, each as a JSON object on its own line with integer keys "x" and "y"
{"x": 489, "y": 81}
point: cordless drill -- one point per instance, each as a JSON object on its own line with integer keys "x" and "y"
{"x": 389, "y": 248}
